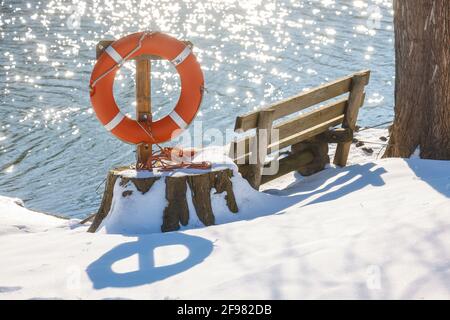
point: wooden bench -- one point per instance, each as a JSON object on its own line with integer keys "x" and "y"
{"x": 307, "y": 134}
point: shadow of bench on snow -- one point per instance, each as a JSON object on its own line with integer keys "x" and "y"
{"x": 333, "y": 183}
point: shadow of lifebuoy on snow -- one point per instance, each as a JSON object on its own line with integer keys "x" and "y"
{"x": 102, "y": 274}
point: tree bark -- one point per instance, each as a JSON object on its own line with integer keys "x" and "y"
{"x": 422, "y": 84}
{"x": 437, "y": 133}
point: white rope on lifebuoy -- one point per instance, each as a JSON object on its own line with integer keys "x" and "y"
{"x": 119, "y": 61}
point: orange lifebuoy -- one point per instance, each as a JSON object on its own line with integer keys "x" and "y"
{"x": 131, "y": 46}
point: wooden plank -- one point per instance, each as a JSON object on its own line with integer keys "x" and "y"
{"x": 302, "y": 101}
{"x": 337, "y": 135}
{"x": 259, "y": 149}
{"x": 103, "y": 44}
{"x": 290, "y": 163}
{"x": 297, "y": 124}
{"x": 312, "y": 118}
{"x": 143, "y": 90}
{"x": 295, "y": 138}
{"x": 305, "y": 134}
{"x": 143, "y": 105}
{"x": 240, "y": 148}
{"x": 329, "y": 118}
{"x": 356, "y": 100}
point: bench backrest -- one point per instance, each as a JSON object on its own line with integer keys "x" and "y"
{"x": 340, "y": 111}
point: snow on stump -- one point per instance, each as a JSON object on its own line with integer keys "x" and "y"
{"x": 200, "y": 183}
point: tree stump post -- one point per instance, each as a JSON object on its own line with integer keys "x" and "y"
{"x": 105, "y": 205}
{"x": 176, "y": 213}
{"x": 319, "y": 150}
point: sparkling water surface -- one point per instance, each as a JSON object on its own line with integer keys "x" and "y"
{"x": 53, "y": 151}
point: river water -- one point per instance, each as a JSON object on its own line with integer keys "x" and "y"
{"x": 53, "y": 151}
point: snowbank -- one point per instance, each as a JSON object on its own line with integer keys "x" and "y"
{"x": 375, "y": 229}
{"x": 14, "y": 217}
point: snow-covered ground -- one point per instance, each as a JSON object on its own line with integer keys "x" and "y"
{"x": 379, "y": 228}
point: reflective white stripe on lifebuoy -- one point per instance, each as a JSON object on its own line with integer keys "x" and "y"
{"x": 178, "y": 120}
{"x": 181, "y": 57}
{"x": 114, "y": 54}
{"x": 115, "y": 121}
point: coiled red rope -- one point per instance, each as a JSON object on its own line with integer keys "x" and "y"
{"x": 169, "y": 158}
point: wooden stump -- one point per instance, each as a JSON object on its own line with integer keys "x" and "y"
{"x": 176, "y": 212}
{"x": 319, "y": 149}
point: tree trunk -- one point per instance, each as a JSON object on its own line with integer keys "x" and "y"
{"x": 422, "y": 84}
